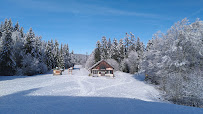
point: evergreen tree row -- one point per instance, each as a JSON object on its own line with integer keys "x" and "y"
{"x": 27, "y": 54}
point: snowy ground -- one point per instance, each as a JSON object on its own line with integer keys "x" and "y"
{"x": 79, "y": 93}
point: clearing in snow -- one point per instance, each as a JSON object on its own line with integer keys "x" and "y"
{"x": 80, "y": 93}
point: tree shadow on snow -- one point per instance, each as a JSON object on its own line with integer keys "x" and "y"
{"x": 4, "y": 78}
{"x": 21, "y": 102}
{"x": 139, "y": 76}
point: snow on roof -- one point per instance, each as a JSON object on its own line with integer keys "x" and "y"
{"x": 98, "y": 63}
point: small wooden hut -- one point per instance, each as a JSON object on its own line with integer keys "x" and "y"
{"x": 57, "y": 71}
{"x": 102, "y": 68}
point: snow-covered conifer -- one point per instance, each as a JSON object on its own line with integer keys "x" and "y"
{"x": 29, "y": 42}
{"x": 127, "y": 43}
{"x": 121, "y": 49}
{"x": 132, "y": 43}
{"x": 104, "y": 46}
{"x": 115, "y": 50}
{"x": 97, "y": 52}
{"x": 7, "y": 62}
{"x": 16, "y": 27}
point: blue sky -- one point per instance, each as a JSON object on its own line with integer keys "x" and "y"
{"x": 80, "y": 23}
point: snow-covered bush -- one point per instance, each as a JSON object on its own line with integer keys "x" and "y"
{"x": 30, "y": 65}
{"x": 133, "y": 62}
{"x": 124, "y": 65}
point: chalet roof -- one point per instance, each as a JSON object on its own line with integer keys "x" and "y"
{"x": 98, "y": 63}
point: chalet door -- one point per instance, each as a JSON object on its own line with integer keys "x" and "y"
{"x": 102, "y": 73}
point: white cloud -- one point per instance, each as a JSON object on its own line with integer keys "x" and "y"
{"x": 78, "y": 8}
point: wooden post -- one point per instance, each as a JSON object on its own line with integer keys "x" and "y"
{"x": 70, "y": 71}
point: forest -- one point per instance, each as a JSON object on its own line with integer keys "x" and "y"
{"x": 27, "y": 54}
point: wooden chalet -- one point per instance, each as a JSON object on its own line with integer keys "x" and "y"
{"x": 102, "y": 68}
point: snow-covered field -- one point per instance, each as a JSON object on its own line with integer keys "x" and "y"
{"x": 79, "y": 93}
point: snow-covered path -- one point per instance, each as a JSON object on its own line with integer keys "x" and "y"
{"x": 79, "y": 93}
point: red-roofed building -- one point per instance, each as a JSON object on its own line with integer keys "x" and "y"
{"x": 102, "y": 68}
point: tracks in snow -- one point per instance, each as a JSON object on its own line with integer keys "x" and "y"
{"x": 123, "y": 85}
{"x": 80, "y": 84}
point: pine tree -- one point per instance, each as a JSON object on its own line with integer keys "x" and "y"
{"x": 73, "y": 61}
{"x": 56, "y": 54}
{"x": 7, "y": 62}
{"x": 61, "y": 58}
{"x": 49, "y": 55}
{"x": 5, "y": 26}
{"x": 9, "y": 26}
{"x": 29, "y": 42}
{"x": 18, "y": 51}
{"x": 109, "y": 49}
{"x": 1, "y": 29}
{"x": 138, "y": 45}
{"x": 140, "y": 51}
{"x": 66, "y": 56}
{"x": 149, "y": 45}
{"x": 132, "y": 43}
{"x": 1, "y": 26}
{"x": 115, "y": 50}
{"x": 21, "y": 32}
{"x": 41, "y": 55}
{"x": 121, "y": 49}
{"x": 104, "y": 46}
{"x": 16, "y": 28}
{"x": 97, "y": 54}
{"x": 37, "y": 47}
{"x": 127, "y": 43}
{"x": 53, "y": 54}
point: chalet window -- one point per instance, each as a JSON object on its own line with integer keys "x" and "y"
{"x": 95, "y": 71}
{"x": 109, "y": 72}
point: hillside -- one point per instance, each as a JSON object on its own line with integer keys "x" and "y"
{"x": 79, "y": 93}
